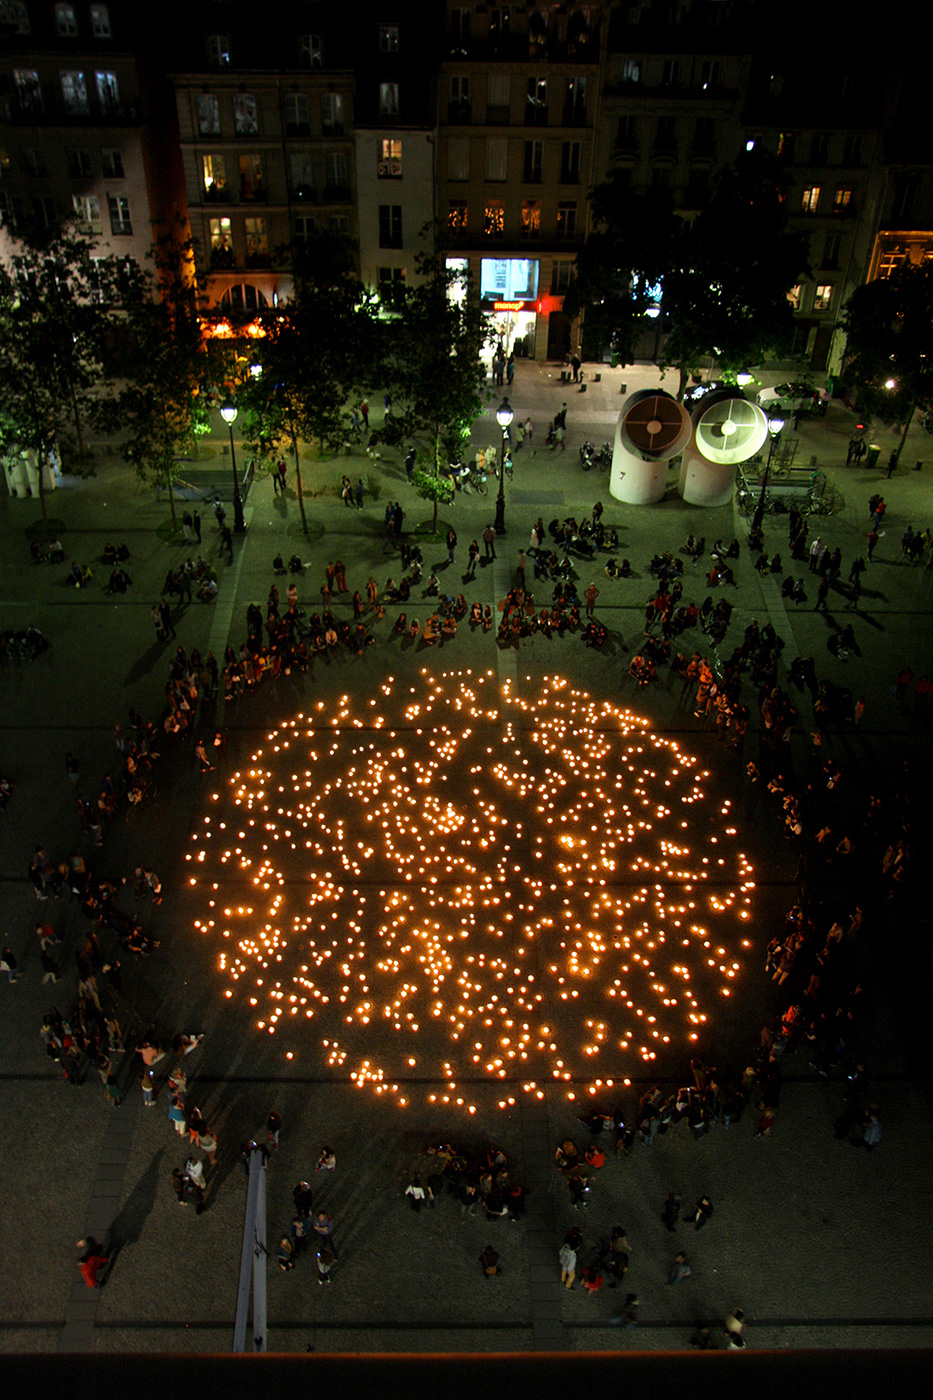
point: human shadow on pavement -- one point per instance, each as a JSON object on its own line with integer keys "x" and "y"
{"x": 144, "y": 664}
{"x": 128, "y": 1226}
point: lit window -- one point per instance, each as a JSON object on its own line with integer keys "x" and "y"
{"x": 310, "y": 51}
{"x": 108, "y": 93}
{"x": 214, "y": 177}
{"x": 389, "y": 163}
{"x": 87, "y": 208}
{"x": 66, "y": 21}
{"x": 531, "y": 219}
{"x": 566, "y": 220}
{"x": 631, "y": 70}
{"x": 28, "y": 89}
{"x": 100, "y": 21}
{"x": 388, "y": 38}
{"x": 388, "y": 99}
{"x": 257, "y": 242}
{"x": 208, "y": 115}
{"x": 536, "y": 102}
{"x": 842, "y": 200}
{"x": 823, "y": 297}
{"x": 245, "y": 115}
{"x": 221, "y": 238}
{"x": 494, "y": 220}
{"x": 218, "y": 50}
{"x": 120, "y": 221}
{"x": 810, "y": 199}
{"x": 457, "y": 218}
{"x": 111, "y": 162}
{"x": 793, "y": 296}
{"x": 74, "y": 93}
{"x": 332, "y": 113}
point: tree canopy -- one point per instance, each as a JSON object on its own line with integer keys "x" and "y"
{"x": 889, "y": 344}
{"x": 724, "y": 276}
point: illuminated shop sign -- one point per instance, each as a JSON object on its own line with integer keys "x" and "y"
{"x": 509, "y": 279}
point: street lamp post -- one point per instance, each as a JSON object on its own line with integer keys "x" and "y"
{"x": 504, "y": 416}
{"x": 228, "y": 413}
{"x": 775, "y": 428}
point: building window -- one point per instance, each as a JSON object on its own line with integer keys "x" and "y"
{"x": 810, "y": 199}
{"x": 336, "y": 180}
{"x": 108, "y": 92}
{"x": 251, "y": 186}
{"x": 19, "y": 17}
{"x": 819, "y": 147}
{"x": 297, "y": 119}
{"x": 458, "y": 109}
{"x": 570, "y": 163}
{"x": 339, "y": 224}
{"x": 389, "y": 158}
{"x": 32, "y": 161}
{"x": 66, "y": 21}
{"x": 665, "y": 140}
{"x": 566, "y": 220}
{"x": 852, "y": 150}
{"x": 78, "y": 163}
{"x": 561, "y": 277}
{"x": 710, "y": 74}
{"x": 458, "y": 160}
{"x": 100, "y": 21}
{"x": 310, "y": 52}
{"x": 301, "y": 174}
{"x": 457, "y": 218}
{"x": 218, "y": 50}
{"x": 842, "y": 200}
{"x": 704, "y": 135}
{"x": 494, "y": 219}
{"x": 11, "y": 211}
{"x": 120, "y": 221}
{"x": 111, "y": 162}
{"x": 697, "y": 189}
{"x": 536, "y": 102}
{"x": 257, "y": 243}
{"x": 534, "y": 162}
{"x": 28, "y": 89}
{"x": 391, "y": 274}
{"x": 497, "y": 154}
{"x": 87, "y": 208}
{"x": 670, "y": 72}
{"x": 332, "y": 113}
{"x": 214, "y": 177}
{"x": 208, "y": 115}
{"x": 831, "y": 246}
{"x": 891, "y": 259}
{"x": 303, "y": 224}
{"x": 531, "y": 219}
{"x": 74, "y": 93}
{"x": 44, "y": 212}
{"x": 785, "y": 146}
{"x": 221, "y": 243}
{"x": 390, "y": 226}
{"x": 388, "y": 99}
{"x": 575, "y": 102}
{"x": 631, "y": 70}
{"x": 460, "y": 25}
{"x": 500, "y": 25}
{"x": 388, "y": 38}
{"x": 243, "y": 296}
{"x": 245, "y": 114}
{"x": 626, "y": 134}
{"x": 823, "y": 297}
{"x": 793, "y": 296}
{"x": 498, "y": 108}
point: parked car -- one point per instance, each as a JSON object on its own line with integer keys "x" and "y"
{"x": 787, "y": 397}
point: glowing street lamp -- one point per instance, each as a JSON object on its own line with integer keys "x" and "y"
{"x": 775, "y": 428}
{"x": 228, "y": 413}
{"x": 504, "y": 416}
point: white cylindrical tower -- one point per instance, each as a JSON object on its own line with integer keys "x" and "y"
{"x": 652, "y": 428}
{"x": 727, "y": 430}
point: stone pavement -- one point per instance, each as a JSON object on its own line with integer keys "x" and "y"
{"x": 823, "y": 1246}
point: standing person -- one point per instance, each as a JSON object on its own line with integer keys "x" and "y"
{"x": 73, "y": 768}
{"x": 451, "y": 544}
{"x": 273, "y": 1129}
{"x": 280, "y": 472}
{"x": 568, "y": 1264}
{"x": 415, "y": 1193}
{"x": 520, "y": 569}
{"x": 91, "y": 1261}
{"x": 489, "y": 542}
{"x": 201, "y": 752}
{"x": 489, "y": 1262}
{"x": 591, "y": 594}
{"x": 176, "y": 1115}
{"x": 323, "y": 1227}
{"x": 473, "y": 553}
{"x": 872, "y": 541}
{"x": 147, "y": 1084}
{"x": 671, "y": 1211}
{"x": 822, "y": 593}
{"x": 303, "y": 1198}
{"x": 186, "y": 523}
{"x": 411, "y": 457}
{"x": 168, "y": 626}
{"x": 196, "y": 522}
{"x": 364, "y": 413}
{"x": 326, "y": 1258}
{"x": 702, "y": 1212}
{"x": 560, "y": 419}
{"x": 734, "y": 1325}
{"x": 340, "y": 576}
{"x": 528, "y": 428}
{"x": 358, "y": 493}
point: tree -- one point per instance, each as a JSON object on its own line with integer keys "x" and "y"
{"x": 160, "y": 404}
{"x": 314, "y": 355}
{"x": 53, "y": 332}
{"x": 432, "y": 337}
{"x": 889, "y": 344}
{"x": 724, "y": 276}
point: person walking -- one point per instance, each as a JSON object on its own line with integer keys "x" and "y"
{"x": 196, "y": 522}
{"x": 671, "y": 1212}
{"x": 702, "y": 1212}
{"x": 415, "y": 1193}
{"x": 473, "y": 553}
{"x": 680, "y": 1270}
{"x": 451, "y": 544}
{"x": 411, "y": 457}
{"x": 568, "y": 1264}
{"x": 364, "y": 413}
{"x": 91, "y": 1261}
{"x": 323, "y": 1227}
{"x": 489, "y": 542}
{"x": 358, "y": 493}
{"x": 489, "y": 1262}
{"x": 186, "y": 527}
{"x": 165, "y": 613}
{"x": 591, "y": 594}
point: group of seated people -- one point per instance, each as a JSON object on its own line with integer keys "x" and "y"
{"x": 119, "y": 580}
{"x": 642, "y": 668}
{"x": 116, "y": 554}
{"x": 616, "y": 570}
{"x": 295, "y": 565}
{"x": 80, "y": 575}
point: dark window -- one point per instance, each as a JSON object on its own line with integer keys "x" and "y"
{"x": 534, "y": 155}
{"x": 570, "y": 163}
{"x": 536, "y": 102}
{"x": 390, "y": 226}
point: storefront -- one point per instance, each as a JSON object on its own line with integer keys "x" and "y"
{"x": 516, "y": 314}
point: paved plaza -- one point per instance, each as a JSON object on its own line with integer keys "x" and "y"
{"x": 823, "y": 1245}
